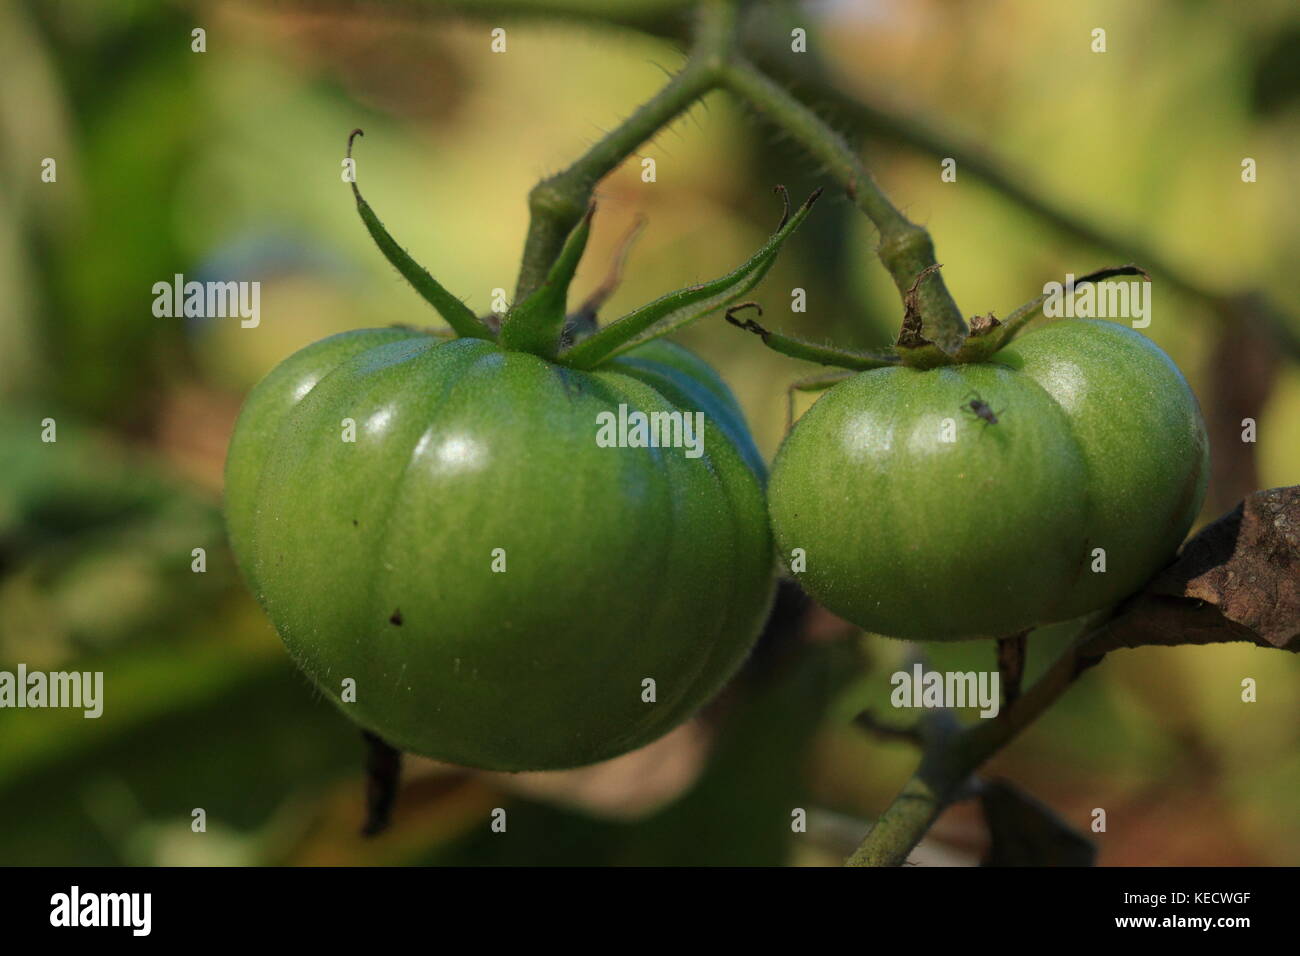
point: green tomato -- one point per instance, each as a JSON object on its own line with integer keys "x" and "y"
{"x": 498, "y": 586}
{"x": 918, "y": 518}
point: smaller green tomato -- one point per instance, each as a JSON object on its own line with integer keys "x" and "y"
{"x": 920, "y": 516}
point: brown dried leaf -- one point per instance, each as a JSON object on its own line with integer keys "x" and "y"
{"x": 910, "y": 334}
{"x": 1238, "y": 580}
{"x": 1247, "y": 564}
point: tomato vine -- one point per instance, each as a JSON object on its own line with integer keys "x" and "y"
{"x": 934, "y": 333}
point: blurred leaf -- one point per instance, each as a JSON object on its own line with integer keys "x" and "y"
{"x": 1025, "y": 832}
{"x": 1275, "y": 85}
{"x": 234, "y": 730}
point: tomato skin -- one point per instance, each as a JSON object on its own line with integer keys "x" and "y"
{"x": 688, "y": 381}
{"x": 1098, "y": 443}
{"x": 374, "y": 558}
{"x": 1144, "y": 444}
{"x": 911, "y": 536}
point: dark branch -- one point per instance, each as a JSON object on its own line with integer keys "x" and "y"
{"x": 1238, "y": 580}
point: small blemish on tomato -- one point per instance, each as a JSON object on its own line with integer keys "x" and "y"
{"x": 396, "y": 617}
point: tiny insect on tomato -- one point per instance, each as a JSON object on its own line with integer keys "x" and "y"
{"x": 450, "y": 550}
{"x": 1075, "y": 478}
{"x": 981, "y": 410}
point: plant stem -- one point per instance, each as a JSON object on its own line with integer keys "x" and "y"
{"x": 558, "y": 203}
{"x": 945, "y": 768}
{"x": 1225, "y": 586}
{"x": 881, "y": 120}
{"x": 905, "y": 248}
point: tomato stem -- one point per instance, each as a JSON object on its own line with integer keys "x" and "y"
{"x": 557, "y": 203}
{"x": 905, "y": 248}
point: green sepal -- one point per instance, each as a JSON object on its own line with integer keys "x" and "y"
{"x": 832, "y": 355}
{"x": 676, "y": 309}
{"x": 535, "y": 325}
{"x": 989, "y": 338}
{"x": 455, "y": 312}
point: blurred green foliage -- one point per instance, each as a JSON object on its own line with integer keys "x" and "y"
{"x": 225, "y": 164}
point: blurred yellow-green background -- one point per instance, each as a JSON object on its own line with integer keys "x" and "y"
{"x": 226, "y": 164}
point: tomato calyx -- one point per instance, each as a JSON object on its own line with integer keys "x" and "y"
{"x": 994, "y": 335}
{"x": 455, "y": 312}
{"x": 584, "y": 321}
{"x": 540, "y": 324}
{"x": 677, "y": 309}
{"x": 535, "y": 325}
{"x": 986, "y": 334}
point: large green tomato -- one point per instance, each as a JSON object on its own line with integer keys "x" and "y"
{"x": 920, "y": 519}
{"x": 498, "y": 585}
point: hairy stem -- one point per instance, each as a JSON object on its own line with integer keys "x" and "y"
{"x": 905, "y": 248}
{"x": 880, "y": 120}
{"x": 558, "y": 203}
